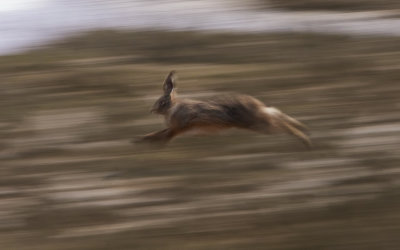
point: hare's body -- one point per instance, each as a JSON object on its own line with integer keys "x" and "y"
{"x": 239, "y": 111}
{"x": 223, "y": 112}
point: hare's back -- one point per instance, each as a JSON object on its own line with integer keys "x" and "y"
{"x": 223, "y": 111}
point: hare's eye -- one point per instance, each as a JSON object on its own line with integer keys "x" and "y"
{"x": 162, "y": 103}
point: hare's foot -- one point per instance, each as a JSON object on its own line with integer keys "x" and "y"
{"x": 160, "y": 137}
{"x": 138, "y": 139}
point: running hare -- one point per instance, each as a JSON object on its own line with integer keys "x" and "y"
{"x": 238, "y": 111}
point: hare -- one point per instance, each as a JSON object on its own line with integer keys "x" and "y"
{"x": 239, "y": 111}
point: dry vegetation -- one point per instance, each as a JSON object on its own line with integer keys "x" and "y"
{"x": 338, "y": 5}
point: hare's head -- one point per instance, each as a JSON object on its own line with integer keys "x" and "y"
{"x": 164, "y": 103}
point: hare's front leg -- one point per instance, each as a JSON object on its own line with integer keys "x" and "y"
{"x": 162, "y": 136}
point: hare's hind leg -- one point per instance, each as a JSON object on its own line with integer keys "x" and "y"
{"x": 291, "y": 129}
{"x": 274, "y": 121}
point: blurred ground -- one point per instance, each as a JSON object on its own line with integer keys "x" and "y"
{"x": 70, "y": 179}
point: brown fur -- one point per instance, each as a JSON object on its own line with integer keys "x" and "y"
{"x": 238, "y": 111}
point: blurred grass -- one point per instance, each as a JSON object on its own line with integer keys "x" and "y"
{"x": 70, "y": 109}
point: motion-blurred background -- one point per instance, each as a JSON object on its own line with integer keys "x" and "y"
{"x": 78, "y": 79}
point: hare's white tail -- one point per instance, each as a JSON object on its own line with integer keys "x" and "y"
{"x": 281, "y": 121}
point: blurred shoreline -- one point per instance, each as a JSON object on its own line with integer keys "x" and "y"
{"x": 23, "y": 29}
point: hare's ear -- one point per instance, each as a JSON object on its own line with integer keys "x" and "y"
{"x": 169, "y": 83}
